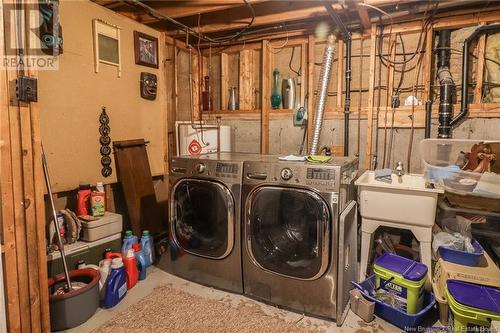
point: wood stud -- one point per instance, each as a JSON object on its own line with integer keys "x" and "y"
{"x": 371, "y": 95}
{"x": 246, "y": 80}
{"x": 224, "y": 80}
{"x": 266, "y": 70}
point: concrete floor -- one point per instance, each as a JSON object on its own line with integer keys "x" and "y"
{"x": 159, "y": 277}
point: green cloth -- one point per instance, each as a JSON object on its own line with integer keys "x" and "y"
{"x": 318, "y": 158}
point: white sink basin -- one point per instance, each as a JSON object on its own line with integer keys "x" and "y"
{"x": 406, "y": 200}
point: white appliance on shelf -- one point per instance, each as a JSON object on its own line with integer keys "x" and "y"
{"x": 3, "y": 319}
{"x": 195, "y": 138}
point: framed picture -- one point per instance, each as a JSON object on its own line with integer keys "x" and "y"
{"x": 146, "y": 49}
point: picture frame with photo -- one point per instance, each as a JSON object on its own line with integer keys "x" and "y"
{"x": 145, "y": 49}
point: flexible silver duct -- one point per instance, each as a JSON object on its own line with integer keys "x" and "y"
{"x": 324, "y": 79}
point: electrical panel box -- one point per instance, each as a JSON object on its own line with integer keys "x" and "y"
{"x": 26, "y": 89}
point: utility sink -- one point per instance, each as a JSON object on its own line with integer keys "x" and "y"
{"x": 406, "y": 199}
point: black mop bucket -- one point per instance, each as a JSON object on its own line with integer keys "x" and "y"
{"x": 74, "y": 295}
{"x": 76, "y": 306}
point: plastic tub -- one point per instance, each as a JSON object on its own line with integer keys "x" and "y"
{"x": 397, "y": 317}
{"x": 443, "y": 160}
{"x": 462, "y": 257}
{"x": 403, "y": 278}
{"x": 107, "y": 225}
{"x": 472, "y": 306}
{"x": 76, "y": 307}
{"x": 486, "y": 273}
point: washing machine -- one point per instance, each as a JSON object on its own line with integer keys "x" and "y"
{"x": 300, "y": 234}
{"x": 204, "y": 241}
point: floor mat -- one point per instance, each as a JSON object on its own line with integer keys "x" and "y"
{"x": 169, "y": 310}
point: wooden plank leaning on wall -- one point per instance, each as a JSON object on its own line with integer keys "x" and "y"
{"x": 23, "y": 210}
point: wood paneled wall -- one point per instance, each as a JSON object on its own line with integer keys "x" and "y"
{"x": 22, "y": 191}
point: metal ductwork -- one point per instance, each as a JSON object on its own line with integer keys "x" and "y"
{"x": 324, "y": 79}
{"x": 346, "y": 36}
{"x": 447, "y": 86}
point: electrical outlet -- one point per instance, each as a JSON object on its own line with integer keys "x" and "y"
{"x": 26, "y": 89}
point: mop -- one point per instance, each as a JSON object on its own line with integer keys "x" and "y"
{"x": 54, "y": 215}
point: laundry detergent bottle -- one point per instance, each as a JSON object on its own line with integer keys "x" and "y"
{"x": 147, "y": 247}
{"x": 130, "y": 263}
{"x": 128, "y": 241}
{"x": 116, "y": 288}
{"x": 141, "y": 261}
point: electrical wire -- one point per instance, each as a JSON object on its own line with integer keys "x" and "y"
{"x": 290, "y": 63}
{"x": 220, "y": 40}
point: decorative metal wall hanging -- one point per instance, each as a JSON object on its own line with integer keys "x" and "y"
{"x": 105, "y": 141}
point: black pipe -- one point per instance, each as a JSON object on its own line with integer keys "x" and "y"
{"x": 428, "y": 116}
{"x": 464, "y": 105}
{"x": 346, "y": 36}
{"x": 447, "y": 86}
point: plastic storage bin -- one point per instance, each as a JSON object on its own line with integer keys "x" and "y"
{"x": 472, "y": 306}
{"x": 105, "y": 226}
{"x": 486, "y": 273}
{"x": 462, "y": 257}
{"x": 403, "y": 278}
{"x": 395, "y": 316}
{"x": 443, "y": 159}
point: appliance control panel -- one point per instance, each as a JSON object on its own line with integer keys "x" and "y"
{"x": 320, "y": 176}
{"x": 286, "y": 174}
{"x": 228, "y": 168}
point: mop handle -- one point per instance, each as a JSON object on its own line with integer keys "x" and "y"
{"x": 54, "y": 215}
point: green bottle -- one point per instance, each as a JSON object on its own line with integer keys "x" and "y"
{"x": 276, "y": 96}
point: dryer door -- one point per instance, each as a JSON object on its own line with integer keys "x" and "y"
{"x": 202, "y": 218}
{"x": 288, "y": 231}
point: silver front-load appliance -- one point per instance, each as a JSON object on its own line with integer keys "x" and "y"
{"x": 300, "y": 234}
{"x": 204, "y": 220}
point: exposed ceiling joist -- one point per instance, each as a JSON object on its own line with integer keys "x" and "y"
{"x": 280, "y": 13}
{"x": 178, "y": 9}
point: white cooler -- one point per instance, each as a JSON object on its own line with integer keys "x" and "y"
{"x": 107, "y": 225}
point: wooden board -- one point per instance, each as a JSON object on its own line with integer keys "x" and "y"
{"x": 246, "y": 80}
{"x": 224, "y": 81}
{"x": 310, "y": 88}
{"x": 135, "y": 177}
{"x": 266, "y": 68}
{"x": 371, "y": 95}
{"x": 22, "y": 198}
{"x": 71, "y": 98}
{"x": 340, "y": 71}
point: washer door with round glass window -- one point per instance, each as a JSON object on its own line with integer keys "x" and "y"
{"x": 203, "y": 218}
{"x": 287, "y": 231}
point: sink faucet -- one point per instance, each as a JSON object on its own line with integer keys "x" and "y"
{"x": 400, "y": 170}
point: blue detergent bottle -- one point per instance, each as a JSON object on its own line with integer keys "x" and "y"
{"x": 147, "y": 247}
{"x": 128, "y": 241}
{"x": 116, "y": 288}
{"x": 141, "y": 261}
